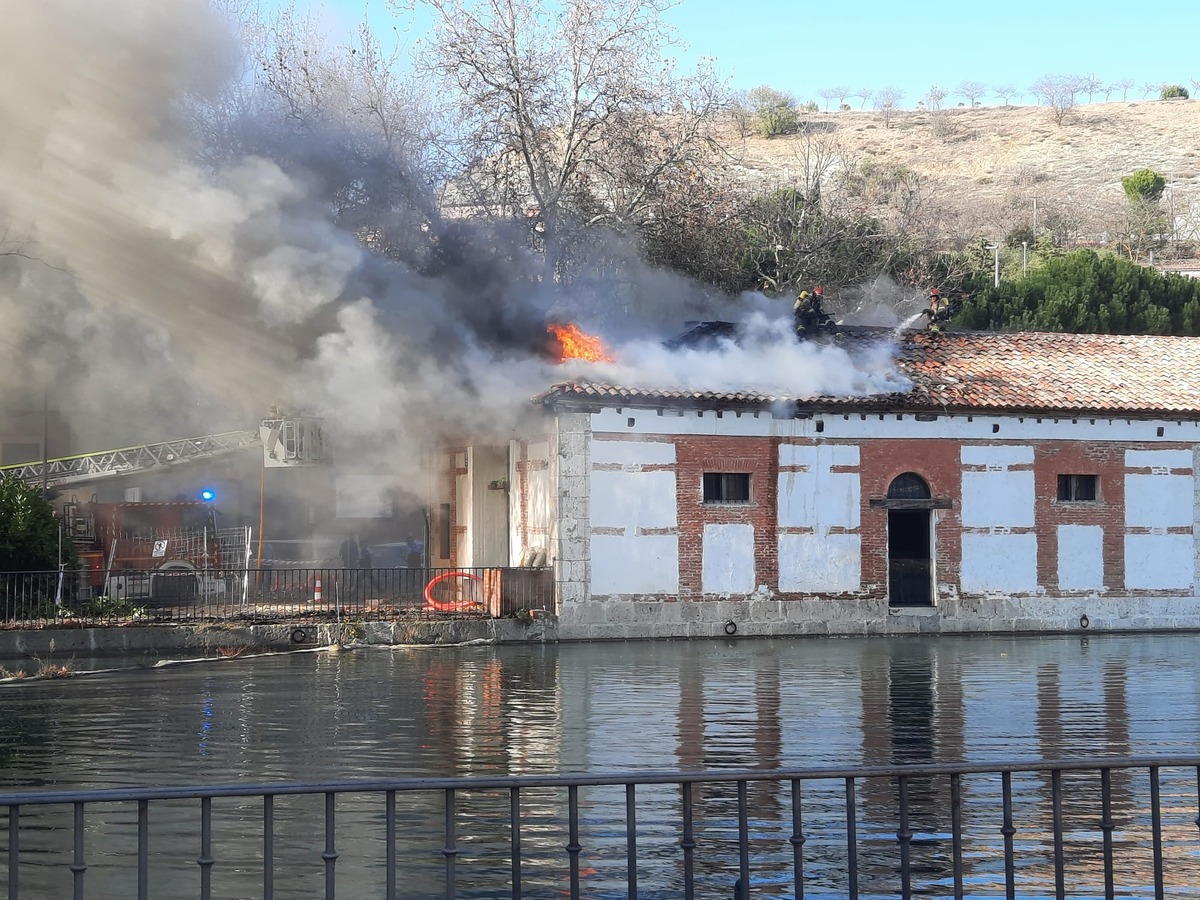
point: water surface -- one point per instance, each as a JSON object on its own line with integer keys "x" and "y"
{"x": 596, "y": 708}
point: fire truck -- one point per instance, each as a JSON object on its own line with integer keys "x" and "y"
{"x": 174, "y": 548}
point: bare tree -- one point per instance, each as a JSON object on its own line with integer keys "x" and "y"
{"x": 348, "y": 111}
{"x": 1150, "y": 87}
{"x": 1091, "y": 85}
{"x": 886, "y": 102}
{"x": 1006, "y": 92}
{"x": 1195, "y": 83}
{"x": 934, "y": 96}
{"x": 971, "y": 91}
{"x": 1057, "y": 92}
{"x": 570, "y": 107}
{"x": 863, "y": 94}
{"x": 827, "y": 94}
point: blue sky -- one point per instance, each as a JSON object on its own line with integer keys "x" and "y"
{"x": 803, "y": 47}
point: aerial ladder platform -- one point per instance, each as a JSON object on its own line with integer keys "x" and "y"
{"x": 286, "y": 441}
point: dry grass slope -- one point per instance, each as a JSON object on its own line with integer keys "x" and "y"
{"x": 991, "y": 158}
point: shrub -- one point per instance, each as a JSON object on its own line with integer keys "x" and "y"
{"x": 1143, "y": 186}
{"x": 1172, "y": 91}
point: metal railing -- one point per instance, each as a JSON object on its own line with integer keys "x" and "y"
{"x": 1067, "y": 828}
{"x": 150, "y": 596}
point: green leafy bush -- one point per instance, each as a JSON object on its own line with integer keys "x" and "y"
{"x": 1144, "y": 186}
{"x": 1173, "y": 91}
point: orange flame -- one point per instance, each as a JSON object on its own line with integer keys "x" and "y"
{"x": 575, "y": 343}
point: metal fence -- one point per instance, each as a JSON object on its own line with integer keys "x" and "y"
{"x": 151, "y": 596}
{"x": 1067, "y": 828}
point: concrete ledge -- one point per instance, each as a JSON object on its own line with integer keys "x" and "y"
{"x": 213, "y": 638}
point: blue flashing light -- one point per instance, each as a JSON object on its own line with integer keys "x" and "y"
{"x": 208, "y": 495}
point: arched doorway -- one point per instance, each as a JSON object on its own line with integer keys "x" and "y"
{"x": 910, "y": 541}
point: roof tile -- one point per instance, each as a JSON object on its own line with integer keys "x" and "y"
{"x": 1023, "y": 371}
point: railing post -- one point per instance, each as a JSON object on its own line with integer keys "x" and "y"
{"x": 143, "y": 856}
{"x": 514, "y": 824}
{"x": 904, "y": 837}
{"x": 205, "y": 860}
{"x": 1156, "y": 832}
{"x": 1060, "y": 883}
{"x": 268, "y": 847}
{"x": 688, "y": 843}
{"x": 851, "y": 840}
{"x": 78, "y": 866}
{"x": 573, "y": 846}
{"x": 450, "y": 849}
{"x": 390, "y": 828}
{"x": 631, "y": 840}
{"x": 1007, "y": 829}
{"x": 14, "y": 840}
{"x": 330, "y": 853}
{"x": 956, "y": 833}
{"x": 797, "y": 839}
{"x": 1106, "y": 828}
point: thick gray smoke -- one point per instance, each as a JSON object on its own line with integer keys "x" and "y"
{"x": 161, "y": 296}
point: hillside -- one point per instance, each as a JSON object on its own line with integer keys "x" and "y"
{"x": 983, "y": 167}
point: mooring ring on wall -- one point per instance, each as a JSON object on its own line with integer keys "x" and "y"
{"x": 299, "y": 636}
{"x": 1083, "y": 621}
{"x": 731, "y": 627}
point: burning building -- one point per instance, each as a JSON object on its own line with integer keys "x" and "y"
{"x": 1006, "y": 482}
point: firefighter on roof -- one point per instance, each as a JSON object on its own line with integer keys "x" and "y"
{"x": 810, "y": 316}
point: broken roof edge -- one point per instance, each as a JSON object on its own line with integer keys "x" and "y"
{"x": 590, "y": 398}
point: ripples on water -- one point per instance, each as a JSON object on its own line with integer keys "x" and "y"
{"x": 604, "y": 707}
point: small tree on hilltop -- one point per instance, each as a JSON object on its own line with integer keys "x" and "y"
{"x": 1057, "y": 92}
{"x": 28, "y": 528}
{"x": 775, "y": 112}
{"x": 1006, "y": 92}
{"x": 886, "y": 102}
{"x": 971, "y": 91}
{"x": 1123, "y": 86}
{"x": 1172, "y": 92}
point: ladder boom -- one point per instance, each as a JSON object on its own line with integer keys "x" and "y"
{"x": 86, "y": 467}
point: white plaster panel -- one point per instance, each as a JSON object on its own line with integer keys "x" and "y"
{"x": 728, "y": 566}
{"x": 818, "y": 499}
{"x": 856, "y": 426}
{"x": 1000, "y": 499}
{"x": 1158, "y": 501}
{"x": 820, "y": 563}
{"x": 1080, "y": 557}
{"x": 1148, "y": 459}
{"x": 818, "y": 455}
{"x": 538, "y": 450}
{"x": 633, "y": 499}
{"x": 635, "y": 564}
{"x": 999, "y": 563}
{"x": 633, "y": 453}
{"x": 1158, "y": 561}
{"x": 996, "y": 455}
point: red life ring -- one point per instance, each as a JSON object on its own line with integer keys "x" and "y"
{"x": 449, "y": 605}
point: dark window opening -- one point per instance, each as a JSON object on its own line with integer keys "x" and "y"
{"x": 726, "y": 487}
{"x": 908, "y": 487}
{"x": 444, "y": 532}
{"x": 1078, "y": 488}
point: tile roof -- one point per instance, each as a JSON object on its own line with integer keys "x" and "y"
{"x": 1136, "y": 375}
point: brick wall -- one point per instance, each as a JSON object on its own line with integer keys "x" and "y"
{"x": 700, "y": 454}
{"x": 1107, "y": 461}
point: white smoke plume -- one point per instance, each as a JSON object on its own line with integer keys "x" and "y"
{"x": 161, "y": 296}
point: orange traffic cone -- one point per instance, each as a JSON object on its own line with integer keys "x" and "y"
{"x": 317, "y": 590}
